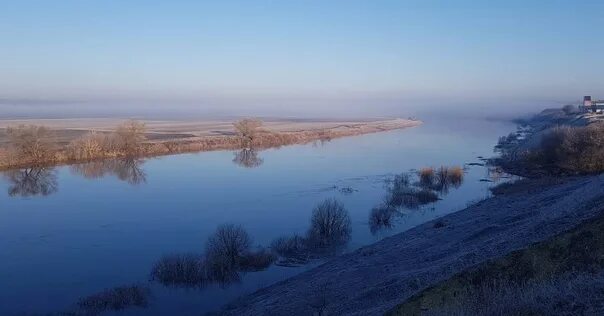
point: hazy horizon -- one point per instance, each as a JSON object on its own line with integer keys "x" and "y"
{"x": 306, "y": 59}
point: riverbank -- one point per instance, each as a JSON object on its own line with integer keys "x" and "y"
{"x": 419, "y": 270}
{"x": 170, "y": 137}
{"x": 376, "y": 278}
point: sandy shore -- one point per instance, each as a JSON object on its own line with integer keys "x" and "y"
{"x": 68, "y": 129}
{"x": 173, "y": 137}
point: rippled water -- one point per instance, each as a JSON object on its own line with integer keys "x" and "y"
{"x": 73, "y": 231}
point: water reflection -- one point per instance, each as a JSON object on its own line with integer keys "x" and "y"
{"x": 31, "y": 182}
{"x": 248, "y": 158}
{"x": 129, "y": 170}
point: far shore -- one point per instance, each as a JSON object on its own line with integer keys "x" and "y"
{"x": 174, "y": 137}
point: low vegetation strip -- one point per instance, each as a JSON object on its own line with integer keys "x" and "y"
{"x": 579, "y": 251}
{"x": 32, "y": 145}
{"x": 557, "y": 144}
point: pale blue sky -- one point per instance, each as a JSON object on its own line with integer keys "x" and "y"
{"x": 297, "y": 57}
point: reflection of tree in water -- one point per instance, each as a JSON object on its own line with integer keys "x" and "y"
{"x": 32, "y": 181}
{"x": 248, "y": 158}
{"x": 129, "y": 170}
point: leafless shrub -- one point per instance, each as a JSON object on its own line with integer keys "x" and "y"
{"x": 425, "y": 196}
{"x": 403, "y": 194}
{"x": 130, "y": 136}
{"x": 227, "y": 246}
{"x": 442, "y": 177}
{"x": 247, "y": 129}
{"x": 31, "y": 143}
{"x": 292, "y": 246}
{"x": 186, "y": 270}
{"x": 329, "y": 225}
{"x": 89, "y": 146}
{"x": 115, "y": 299}
{"x": 256, "y": 260}
{"x": 565, "y": 149}
{"x": 381, "y": 217}
{"x": 31, "y": 182}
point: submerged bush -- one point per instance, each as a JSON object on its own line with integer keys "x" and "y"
{"x": 227, "y": 245}
{"x": 426, "y": 177}
{"x": 257, "y": 260}
{"x": 180, "y": 270}
{"x": 330, "y": 229}
{"x": 381, "y": 217}
{"x": 455, "y": 176}
{"x": 291, "y": 246}
{"x": 329, "y": 225}
{"x": 115, "y": 299}
{"x": 425, "y": 197}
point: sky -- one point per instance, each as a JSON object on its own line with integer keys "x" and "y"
{"x": 296, "y": 58}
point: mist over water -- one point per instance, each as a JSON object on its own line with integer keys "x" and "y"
{"x": 270, "y": 108}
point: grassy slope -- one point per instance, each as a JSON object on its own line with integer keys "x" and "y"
{"x": 578, "y": 250}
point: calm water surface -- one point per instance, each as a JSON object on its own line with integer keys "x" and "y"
{"x": 72, "y": 231}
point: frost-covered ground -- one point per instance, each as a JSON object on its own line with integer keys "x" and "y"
{"x": 375, "y": 278}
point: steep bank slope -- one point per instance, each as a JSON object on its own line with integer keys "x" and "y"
{"x": 374, "y": 279}
{"x": 574, "y": 255}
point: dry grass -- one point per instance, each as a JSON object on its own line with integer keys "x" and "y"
{"x": 561, "y": 150}
{"x": 127, "y": 140}
{"x": 530, "y": 281}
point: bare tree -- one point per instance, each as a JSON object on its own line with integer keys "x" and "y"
{"x": 31, "y": 143}
{"x": 228, "y": 245}
{"x": 131, "y": 135}
{"x": 247, "y": 130}
{"x": 90, "y": 146}
{"x": 330, "y": 224}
